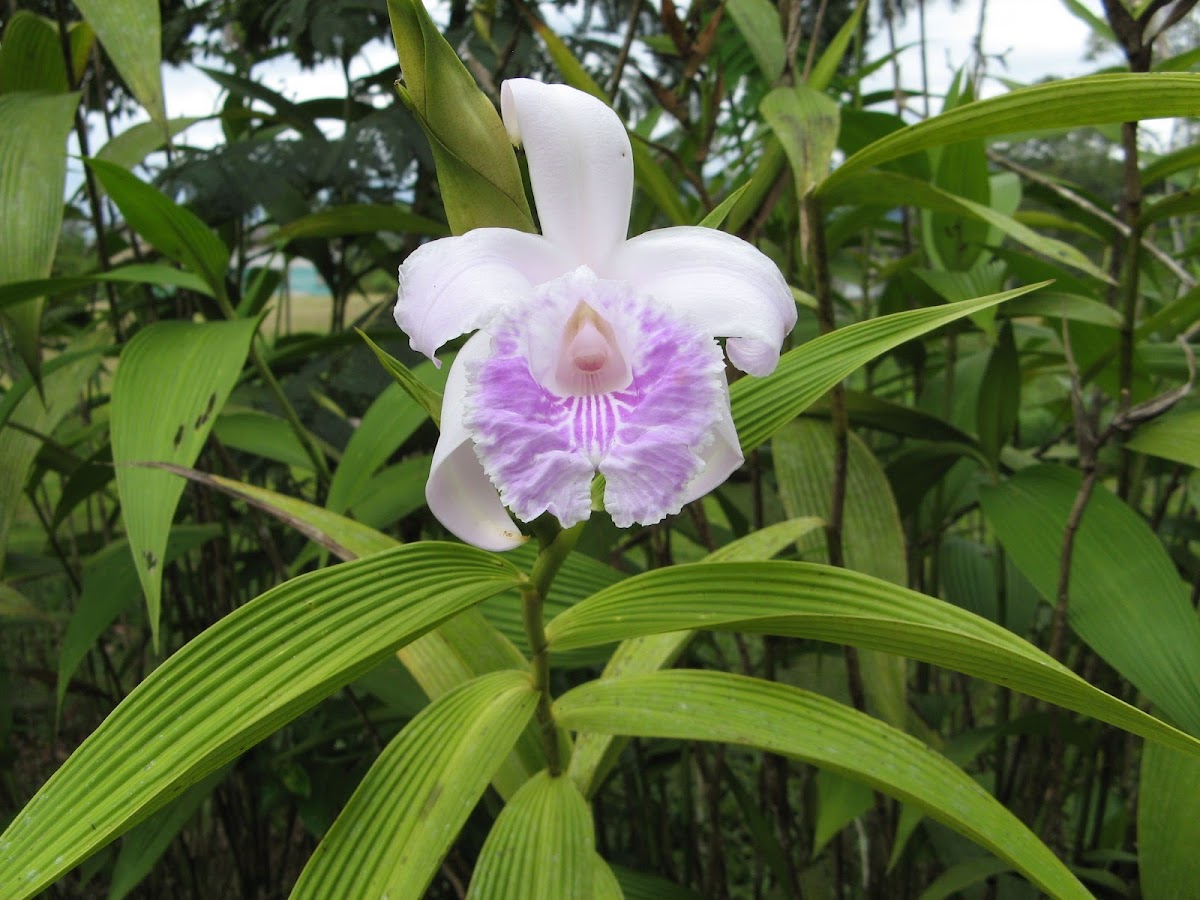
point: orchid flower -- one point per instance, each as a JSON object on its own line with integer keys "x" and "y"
{"x": 593, "y": 353}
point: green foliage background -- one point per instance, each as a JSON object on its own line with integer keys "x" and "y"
{"x": 938, "y": 637}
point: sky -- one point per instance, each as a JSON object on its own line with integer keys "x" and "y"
{"x": 1031, "y": 38}
{"x": 1054, "y": 47}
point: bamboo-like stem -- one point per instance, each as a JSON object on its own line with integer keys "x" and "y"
{"x": 556, "y": 544}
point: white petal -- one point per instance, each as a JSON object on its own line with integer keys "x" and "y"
{"x": 722, "y": 458}
{"x": 580, "y": 164}
{"x": 724, "y": 285}
{"x": 460, "y": 494}
{"x": 454, "y": 285}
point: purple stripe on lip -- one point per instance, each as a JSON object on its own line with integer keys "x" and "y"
{"x": 541, "y": 442}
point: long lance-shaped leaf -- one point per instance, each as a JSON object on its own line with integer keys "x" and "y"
{"x": 540, "y": 846}
{"x": 33, "y": 172}
{"x": 594, "y": 754}
{"x": 233, "y": 685}
{"x": 131, "y": 32}
{"x": 172, "y": 380}
{"x": 831, "y": 57}
{"x": 894, "y": 190}
{"x": 149, "y": 273}
{"x": 717, "y": 706}
{"x": 173, "y": 230}
{"x": 1126, "y": 599}
{"x": 761, "y": 406}
{"x": 407, "y": 811}
{"x": 831, "y": 604}
{"x": 362, "y": 218}
{"x": 1090, "y": 100}
{"x": 455, "y": 652}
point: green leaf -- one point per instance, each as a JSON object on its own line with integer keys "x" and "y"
{"x": 999, "y": 396}
{"x": 455, "y": 652}
{"x": 1090, "y": 100}
{"x": 1175, "y": 437}
{"x": 721, "y": 211}
{"x": 477, "y": 170}
{"x": 1099, "y": 27}
{"x": 33, "y": 173}
{"x": 110, "y": 583}
{"x": 262, "y": 434}
{"x": 716, "y": 706}
{"x": 605, "y": 885}
{"x": 656, "y": 184}
{"x": 839, "y": 802}
{"x": 360, "y": 218}
{"x": 964, "y": 875}
{"x": 1060, "y": 305}
{"x": 31, "y": 56}
{"x": 1169, "y": 164}
{"x": 148, "y": 273}
{"x": 761, "y": 406}
{"x": 16, "y": 607}
{"x": 766, "y": 173}
{"x": 131, "y": 32}
{"x": 236, "y": 683}
{"x": 1174, "y": 318}
{"x": 1178, "y": 203}
{"x": 894, "y": 189}
{"x": 172, "y": 381}
{"x": 344, "y": 538}
{"x": 17, "y": 391}
{"x": 819, "y": 602}
{"x": 827, "y": 64}
{"x": 394, "y": 492}
{"x": 427, "y": 398}
{"x": 388, "y": 422}
{"x": 1126, "y": 599}
{"x": 870, "y": 411}
{"x": 957, "y": 239}
{"x": 595, "y": 753}
{"x": 134, "y": 144}
{"x": 640, "y": 886}
{"x": 1168, "y": 824}
{"x": 145, "y": 844}
{"x": 872, "y": 536}
{"x": 174, "y": 231}
{"x": 285, "y": 110}
{"x": 768, "y": 541}
{"x": 541, "y": 845}
{"x": 41, "y": 415}
{"x": 806, "y": 123}
{"x": 406, "y": 813}
{"x": 758, "y": 21}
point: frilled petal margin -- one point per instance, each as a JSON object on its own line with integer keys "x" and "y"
{"x": 459, "y": 492}
{"x": 454, "y": 285}
{"x": 721, "y": 458}
{"x": 718, "y": 282}
{"x": 580, "y": 166}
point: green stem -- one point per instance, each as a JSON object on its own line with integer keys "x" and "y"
{"x": 556, "y": 546}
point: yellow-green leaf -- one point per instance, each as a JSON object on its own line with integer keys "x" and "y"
{"x": 406, "y": 813}
{"x": 230, "y": 687}
{"x": 172, "y": 381}
{"x": 717, "y": 706}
